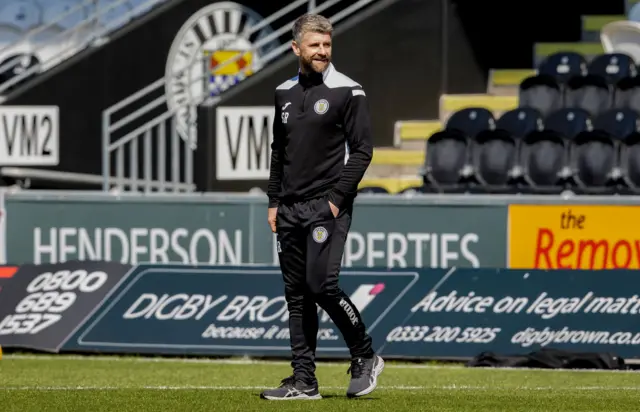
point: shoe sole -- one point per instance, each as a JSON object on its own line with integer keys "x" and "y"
{"x": 377, "y": 370}
{"x": 292, "y": 398}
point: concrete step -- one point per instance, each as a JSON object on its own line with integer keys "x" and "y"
{"x": 506, "y": 82}
{"x": 391, "y": 171}
{"x": 392, "y": 162}
{"x": 591, "y": 26}
{"x": 393, "y": 156}
{"x": 411, "y": 134}
{"x": 416, "y": 144}
{"x": 450, "y": 103}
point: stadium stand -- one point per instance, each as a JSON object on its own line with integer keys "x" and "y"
{"x": 571, "y": 123}
{"x": 36, "y": 35}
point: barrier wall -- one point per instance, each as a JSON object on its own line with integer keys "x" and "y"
{"x": 519, "y": 232}
{"x": 233, "y": 230}
{"x": 224, "y": 310}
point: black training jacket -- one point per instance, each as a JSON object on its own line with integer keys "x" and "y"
{"x": 322, "y": 143}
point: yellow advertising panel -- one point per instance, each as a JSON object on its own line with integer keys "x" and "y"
{"x": 574, "y": 237}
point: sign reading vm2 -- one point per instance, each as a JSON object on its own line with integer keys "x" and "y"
{"x": 175, "y": 309}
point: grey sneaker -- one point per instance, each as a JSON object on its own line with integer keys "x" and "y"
{"x": 292, "y": 389}
{"x": 364, "y": 375}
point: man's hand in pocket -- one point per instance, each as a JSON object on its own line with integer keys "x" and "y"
{"x": 334, "y": 209}
{"x": 271, "y": 218}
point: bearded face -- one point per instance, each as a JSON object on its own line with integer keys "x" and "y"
{"x": 314, "y": 51}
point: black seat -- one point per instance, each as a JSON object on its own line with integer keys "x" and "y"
{"x": 520, "y": 122}
{"x": 543, "y": 158}
{"x": 541, "y": 92}
{"x": 593, "y": 159}
{"x": 412, "y": 190}
{"x": 494, "y": 157}
{"x": 563, "y": 66}
{"x": 589, "y": 92}
{"x": 446, "y": 162}
{"x": 618, "y": 123}
{"x": 627, "y": 94}
{"x": 373, "y": 189}
{"x": 568, "y": 122}
{"x": 471, "y": 121}
{"x": 613, "y": 67}
{"x": 629, "y": 163}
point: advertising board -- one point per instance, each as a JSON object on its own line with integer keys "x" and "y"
{"x": 234, "y": 231}
{"x": 42, "y": 305}
{"x": 242, "y": 310}
{"x": 410, "y": 313}
{"x": 574, "y": 237}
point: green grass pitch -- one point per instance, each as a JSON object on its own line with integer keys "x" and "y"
{"x": 96, "y": 384}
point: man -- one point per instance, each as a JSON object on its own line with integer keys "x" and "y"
{"x": 321, "y": 149}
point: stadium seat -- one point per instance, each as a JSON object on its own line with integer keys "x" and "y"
{"x": 618, "y": 123}
{"x": 541, "y": 92}
{"x": 593, "y": 159}
{"x": 113, "y": 14}
{"x": 62, "y": 30}
{"x": 411, "y": 190}
{"x": 520, "y": 122}
{"x": 373, "y": 190}
{"x": 622, "y": 37}
{"x": 627, "y": 94}
{"x": 446, "y": 162}
{"x": 568, "y": 122}
{"x": 494, "y": 157}
{"x": 564, "y": 65}
{"x": 543, "y": 158}
{"x": 471, "y": 121}
{"x": 634, "y": 13}
{"x": 629, "y": 162}
{"x": 73, "y": 11}
{"x": 590, "y": 93}
{"x": 20, "y": 15}
{"x": 613, "y": 67}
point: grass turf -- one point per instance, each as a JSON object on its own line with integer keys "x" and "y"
{"x": 61, "y": 383}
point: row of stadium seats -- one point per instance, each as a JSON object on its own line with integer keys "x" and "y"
{"x": 523, "y": 152}
{"x": 22, "y": 16}
{"x": 41, "y": 31}
{"x": 568, "y": 122}
{"x": 565, "y": 80}
{"x": 381, "y": 190}
{"x": 612, "y": 67}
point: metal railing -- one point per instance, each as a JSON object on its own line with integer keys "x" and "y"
{"x": 166, "y": 131}
{"x": 89, "y": 31}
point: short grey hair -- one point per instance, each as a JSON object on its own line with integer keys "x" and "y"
{"x": 313, "y": 23}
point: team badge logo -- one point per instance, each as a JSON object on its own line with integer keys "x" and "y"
{"x": 213, "y": 51}
{"x": 320, "y": 234}
{"x": 321, "y": 106}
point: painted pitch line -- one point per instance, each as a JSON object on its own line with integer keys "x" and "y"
{"x": 247, "y": 388}
{"x": 285, "y": 363}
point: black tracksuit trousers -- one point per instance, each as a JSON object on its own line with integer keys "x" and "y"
{"x": 311, "y": 245}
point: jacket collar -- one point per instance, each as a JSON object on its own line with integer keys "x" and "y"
{"x": 313, "y": 79}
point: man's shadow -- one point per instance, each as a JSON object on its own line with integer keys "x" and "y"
{"x": 334, "y": 396}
